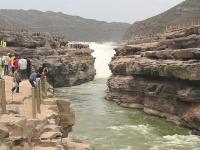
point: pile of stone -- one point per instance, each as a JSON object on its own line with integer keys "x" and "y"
{"x": 161, "y": 77}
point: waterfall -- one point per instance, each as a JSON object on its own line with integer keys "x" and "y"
{"x": 103, "y": 53}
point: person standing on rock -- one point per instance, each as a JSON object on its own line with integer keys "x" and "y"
{"x": 23, "y": 68}
{"x": 16, "y": 81}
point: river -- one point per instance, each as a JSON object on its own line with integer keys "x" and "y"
{"x": 110, "y": 127}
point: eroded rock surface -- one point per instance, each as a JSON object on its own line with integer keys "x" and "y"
{"x": 49, "y": 131}
{"x": 162, "y": 78}
{"x": 67, "y": 67}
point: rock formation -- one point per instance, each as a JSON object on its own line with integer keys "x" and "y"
{"x": 67, "y": 66}
{"x": 161, "y": 76}
{"x": 49, "y": 130}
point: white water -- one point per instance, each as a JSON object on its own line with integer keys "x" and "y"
{"x": 103, "y": 53}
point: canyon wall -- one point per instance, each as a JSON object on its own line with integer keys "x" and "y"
{"x": 161, "y": 76}
{"x": 67, "y": 67}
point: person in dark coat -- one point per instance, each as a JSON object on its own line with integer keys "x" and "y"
{"x": 29, "y": 67}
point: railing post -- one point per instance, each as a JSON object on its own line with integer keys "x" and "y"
{"x": 3, "y": 95}
{"x": 44, "y": 87}
{"x": 33, "y": 103}
{"x": 38, "y": 99}
{"x": 40, "y": 91}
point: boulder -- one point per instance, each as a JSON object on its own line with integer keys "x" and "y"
{"x": 66, "y": 116}
{"x": 4, "y": 133}
{"x": 72, "y": 144}
{"x": 50, "y": 135}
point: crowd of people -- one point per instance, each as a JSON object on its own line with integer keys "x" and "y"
{"x": 21, "y": 69}
{"x": 78, "y": 45}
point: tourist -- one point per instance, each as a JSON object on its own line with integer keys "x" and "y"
{"x": 33, "y": 78}
{"x": 16, "y": 81}
{"x": 45, "y": 68}
{"x": 23, "y": 68}
{"x": 11, "y": 64}
{"x": 5, "y": 60}
{"x": 29, "y": 67}
{"x": 43, "y": 71}
{"x": 1, "y": 68}
{"x": 16, "y": 62}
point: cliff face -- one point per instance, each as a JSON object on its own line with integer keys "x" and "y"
{"x": 187, "y": 11}
{"x": 67, "y": 67}
{"x": 161, "y": 77}
{"x": 73, "y": 68}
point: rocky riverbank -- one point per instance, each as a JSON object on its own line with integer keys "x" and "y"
{"x": 160, "y": 76}
{"x": 18, "y": 131}
{"x": 67, "y": 66}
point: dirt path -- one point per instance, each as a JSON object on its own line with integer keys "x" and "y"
{"x": 20, "y": 102}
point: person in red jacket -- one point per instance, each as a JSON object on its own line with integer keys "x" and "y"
{"x": 16, "y": 63}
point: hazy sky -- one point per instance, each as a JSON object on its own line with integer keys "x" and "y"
{"x": 106, "y": 10}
